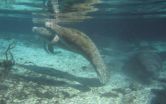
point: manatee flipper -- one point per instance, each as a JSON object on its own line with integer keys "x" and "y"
{"x": 45, "y": 47}
{"x": 50, "y": 48}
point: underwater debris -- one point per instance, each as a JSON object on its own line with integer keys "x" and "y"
{"x": 128, "y": 99}
{"x": 110, "y": 94}
{"x": 8, "y": 54}
{"x": 122, "y": 91}
{"x": 5, "y": 67}
{"x": 3, "y": 101}
{"x": 7, "y": 63}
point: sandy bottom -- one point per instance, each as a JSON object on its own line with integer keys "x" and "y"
{"x": 67, "y": 78}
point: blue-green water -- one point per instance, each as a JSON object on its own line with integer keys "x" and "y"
{"x": 129, "y": 36}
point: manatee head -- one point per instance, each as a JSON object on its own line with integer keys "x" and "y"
{"x": 43, "y": 32}
{"x": 49, "y": 24}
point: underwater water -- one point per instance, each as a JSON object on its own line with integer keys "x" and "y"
{"x": 82, "y": 52}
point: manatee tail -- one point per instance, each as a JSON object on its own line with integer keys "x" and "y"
{"x": 100, "y": 67}
{"x": 104, "y": 74}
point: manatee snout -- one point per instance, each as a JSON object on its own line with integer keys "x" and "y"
{"x": 43, "y": 32}
{"x": 34, "y": 29}
{"x": 40, "y": 30}
{"x": 48, "y": 24}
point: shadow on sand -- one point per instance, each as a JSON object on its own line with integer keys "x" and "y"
{"x": 84, "y": 83}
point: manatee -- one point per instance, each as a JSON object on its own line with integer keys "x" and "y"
{"x": 144, "y": 66}
{"x": 79, "y": 42}
{"x": 47, "y": 35}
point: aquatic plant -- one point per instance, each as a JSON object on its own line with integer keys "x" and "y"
{"x": 8, "y": 62}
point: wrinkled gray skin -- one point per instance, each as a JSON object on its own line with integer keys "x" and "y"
{"x": 79, "y": 42}
{"x": 144, "y": 65}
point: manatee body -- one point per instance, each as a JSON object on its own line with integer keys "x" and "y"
{"x": 144, "y": 65}
{"x": 83, "y": 45}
